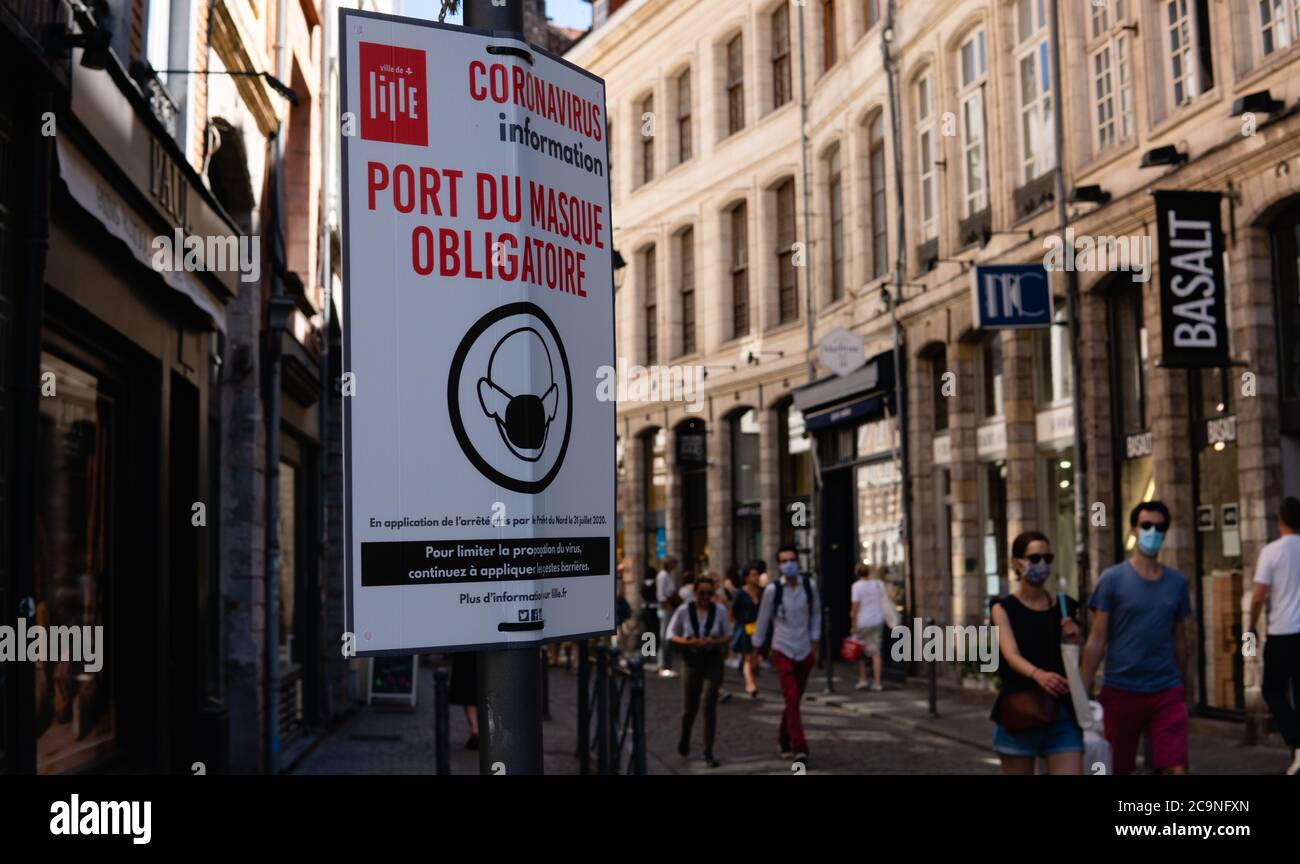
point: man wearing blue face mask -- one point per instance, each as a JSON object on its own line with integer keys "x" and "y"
{"x": 1139, "y": 613}
{"x": 789, "y": 625}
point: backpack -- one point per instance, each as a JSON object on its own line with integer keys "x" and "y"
{"x": 766, "y": 649}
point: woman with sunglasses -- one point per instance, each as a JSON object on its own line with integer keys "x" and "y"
{"x": 1033, "y": 712}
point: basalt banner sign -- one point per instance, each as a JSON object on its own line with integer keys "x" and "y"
{"x": 1193, "y": 290}
{"x": 478, "y": 307}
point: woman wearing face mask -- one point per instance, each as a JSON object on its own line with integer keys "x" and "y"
{"x": 1033, "y": 712}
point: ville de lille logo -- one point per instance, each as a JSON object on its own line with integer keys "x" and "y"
{"x": 393, "y": 104}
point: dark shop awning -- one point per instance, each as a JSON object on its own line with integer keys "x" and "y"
{"x": 860, "y": 396}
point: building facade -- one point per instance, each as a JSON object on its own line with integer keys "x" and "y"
{"x": 163, "y": 291}
{"x": 750, "y": 232}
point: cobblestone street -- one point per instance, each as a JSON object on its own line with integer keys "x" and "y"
{"x": 849, "y": 732}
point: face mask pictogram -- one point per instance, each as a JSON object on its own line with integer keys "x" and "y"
{"x": 523, "y": 419}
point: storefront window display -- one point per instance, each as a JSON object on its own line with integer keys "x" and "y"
{"x": 1129, "y": 367}
{"x": 796, "y": 478}
{"x": 879, "y": 511}
{"x": 76, "y": 722}
{"x": 1218, "y": 542}
{"x": 747, "y": 525}
{"x": 1058, "y": 518}
{"x": 655, "y": 461}
{"x": 993, "y": 527}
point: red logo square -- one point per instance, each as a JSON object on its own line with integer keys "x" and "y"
{"x": 393, "y": 103}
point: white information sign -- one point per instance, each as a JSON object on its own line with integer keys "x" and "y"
{"x": 478, "y": 307}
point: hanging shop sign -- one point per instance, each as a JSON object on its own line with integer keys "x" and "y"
{"x": 1193, "y": 288}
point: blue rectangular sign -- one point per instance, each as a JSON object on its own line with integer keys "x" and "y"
{"x": 1011, "y": 296}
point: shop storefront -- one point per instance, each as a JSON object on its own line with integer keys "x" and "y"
{"x": 120, "y": 449}
{"x": 859, "y": 520}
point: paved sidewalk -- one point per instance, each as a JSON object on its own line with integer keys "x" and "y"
{"x": 850, "y": 732}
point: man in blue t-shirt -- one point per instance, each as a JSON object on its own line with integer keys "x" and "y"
{"x": 1139, "y": 609}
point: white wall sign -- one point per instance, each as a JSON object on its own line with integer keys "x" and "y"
{"x": 1055, "y": 424}
{"x": 991, "y": 440}
{"x": 479, "y": 307}
{"x": 842, "y": 351}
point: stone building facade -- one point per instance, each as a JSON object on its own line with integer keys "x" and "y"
{"x": 728, "y": 218}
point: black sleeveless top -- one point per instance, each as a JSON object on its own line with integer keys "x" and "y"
{"x": 1038, "y": 638}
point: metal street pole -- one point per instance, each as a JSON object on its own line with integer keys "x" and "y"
{"x": 1072, "y": 315}
{"x": 509, "y": 681}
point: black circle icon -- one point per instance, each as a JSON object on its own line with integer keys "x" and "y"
{"x": 509, "y": 383}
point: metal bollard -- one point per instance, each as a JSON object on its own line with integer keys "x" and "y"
{"x": 546, "y": 685}
{"x": 602, "y": 710}
{"x": 638, "y": 717}
{"x": 932, "y": 684}
{"x": 441, "y": 722}
{"x": 584, "y": 710}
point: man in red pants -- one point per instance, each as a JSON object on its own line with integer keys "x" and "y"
{"x": 789, "y": 625}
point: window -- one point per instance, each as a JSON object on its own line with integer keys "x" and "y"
{"x": 974, "y": 73}
{"x": 828, "y": 34}
{"x": 1111, "y": 67}
{"x": 939, "y": 403}
{"x": 158, "y": 36}
{"x": 648, "y": 139}
{"x": 1279, "y": 21}
{"x": 735, "y": 85}
{"x": 1128, "y": 352}
{"x": 684, "y": 117}
{"x": 686, "y": 282}
{"x": 1053, "y": 378}
{"x": 925, "y": 154}
{"x": 1187, "y": 39}
{"x": 651, "y": 305}
{"x": 1037, "y": 147}
{"x": 781, "y": 90}
{"x": 990, "y": 403}
{"x": 739, "y": 271}
{"x": 787, "y": 279}
{"x": 870, "y": 14}
{"x": 835, "y": 209}
{"x": 879, "y": 230}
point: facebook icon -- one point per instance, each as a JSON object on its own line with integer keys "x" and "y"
{"x": 1009, "y": 296}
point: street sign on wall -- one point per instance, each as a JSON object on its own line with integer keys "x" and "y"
{"x": 478, "y": 307}
{"x": 1193, "y": 289}
{"x": 1011, "y": 296}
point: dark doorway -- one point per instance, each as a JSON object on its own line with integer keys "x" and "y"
{"x": 185, "y": 676}
{"x": 838, "y": 551}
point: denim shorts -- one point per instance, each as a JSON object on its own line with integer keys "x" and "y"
{"x": 1061, "y": 736}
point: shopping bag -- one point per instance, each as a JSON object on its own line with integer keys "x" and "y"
{"x": 888, "y": 610}
{"x": 1078, "y": 696}
{"x": 1096, "y": 754}
{"x": 851, "y": 650}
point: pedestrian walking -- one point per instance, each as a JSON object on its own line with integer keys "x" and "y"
{"x": 1139, "y": 611}
{"x": 789, "y": 625}
{"x": 867, "y": 620}
{"x": 666, "y": 590}
{"x": 701, "y": 630}
{"x": 463, "y": 691}
{"x": 1277, "y": 581}
{"x": 1033, "y": 712}
{"x": 744, "y": 618}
